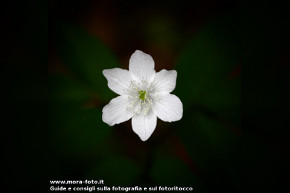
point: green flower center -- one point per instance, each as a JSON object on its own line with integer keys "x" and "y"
{"x": 142, "y": 95}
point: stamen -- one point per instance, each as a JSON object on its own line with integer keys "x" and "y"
{"x": 140, "y": 97}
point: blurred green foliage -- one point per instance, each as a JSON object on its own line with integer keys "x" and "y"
{"x": 75, "y": 113}
{"x": 205, "y": 65}
{"x": 86, "y": 57}
{"x": 168, "y": 170}
{"x": 65, "y": 90}
{"x": 212, "y": 102}
{"x": 116, "y": 170}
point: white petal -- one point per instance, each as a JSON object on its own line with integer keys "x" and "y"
{"x": 118, "y": 80}
{"x": 116, "y": 111}
{"x": 168, "y": 108}
{"x": 144, "y": 125}
{"x": 165, "y": 81}
{"x": 141, "y": 67}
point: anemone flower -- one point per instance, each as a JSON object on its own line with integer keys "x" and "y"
{"x": 144, "y": 95}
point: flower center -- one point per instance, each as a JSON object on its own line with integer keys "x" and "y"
{"x": 142, "y": 95}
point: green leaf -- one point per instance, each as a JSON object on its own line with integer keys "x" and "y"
{"x": 212, "y": 102}
{"x": 65, "y": 90}
{"x": 116, "y": 170}
{"x": 213, "y": 148}
{"x": 77, "y": 131}
{"x": 170, "y": 171}
{"x": 225, "y": 101}
{"x": 204, "y": 67}
{"x": 85, "y": 56}
{"x": 75, "y": 128}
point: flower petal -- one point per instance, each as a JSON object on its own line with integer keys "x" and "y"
{"x": 141, "y": 67}
{"x": 144, "y": 125}
{"x": 118, "y": 80}
{"x": 165, "y": 81}
{"x": 168, "y": 108}
{"x": 116, "y": 111}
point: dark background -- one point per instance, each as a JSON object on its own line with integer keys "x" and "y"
{"x": 200, "y": 39}
{"x": 209, "y": 43}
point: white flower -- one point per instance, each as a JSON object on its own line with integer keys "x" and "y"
{"x": 144, "y": 95}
